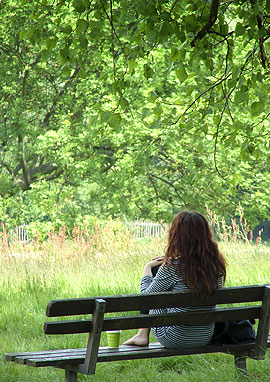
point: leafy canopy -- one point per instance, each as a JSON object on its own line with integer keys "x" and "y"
{"x": 134, "y": 108}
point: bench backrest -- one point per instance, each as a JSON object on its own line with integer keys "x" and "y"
{"x": 242, "y": 297}
{"x": 135, "y": 302}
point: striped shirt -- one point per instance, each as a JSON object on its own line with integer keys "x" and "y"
{"x": 176, "y": 336}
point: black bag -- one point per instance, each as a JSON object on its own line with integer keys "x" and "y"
{"x": 233, "y": 332}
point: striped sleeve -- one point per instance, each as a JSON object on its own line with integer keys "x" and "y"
{"x": 166, "y": 279}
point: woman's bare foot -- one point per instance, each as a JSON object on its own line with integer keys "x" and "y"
{"x": 140, "y": 339}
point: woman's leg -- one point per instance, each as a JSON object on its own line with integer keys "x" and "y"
{"x": 142, "y": 337}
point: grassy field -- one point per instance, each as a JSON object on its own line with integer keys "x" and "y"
{"x": 105, "y": 263}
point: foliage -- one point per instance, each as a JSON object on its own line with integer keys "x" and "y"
{"x": 120, "y": 108}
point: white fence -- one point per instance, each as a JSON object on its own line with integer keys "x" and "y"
{"x": 140, "y": 229}
{"x": 21, "y": 233}
{"x": 146, "y": 229}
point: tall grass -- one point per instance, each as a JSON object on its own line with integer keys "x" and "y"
{"x": 107, "y": 261}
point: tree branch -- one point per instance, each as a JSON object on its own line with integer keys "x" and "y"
{"x": 23, "y": 162}
{"x": 62, "y": 91}
{"x": 261, "y": 40}
{"x": 163, "y": 180}
{"x": 112, "y": 26}
{"x": 211, "y": 21}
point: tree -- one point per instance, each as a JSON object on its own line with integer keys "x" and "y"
{"x": 154, "y": 106}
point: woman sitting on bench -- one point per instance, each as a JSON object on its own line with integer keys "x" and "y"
{"x": 192, "y": 262}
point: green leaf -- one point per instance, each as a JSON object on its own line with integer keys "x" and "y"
{"x": 123, "y": 103}
{"x": 166, "y": 29}
{"x": 224, "y": 29}
{"x": 83, "y": 42}
{"x": 257, "y": 108}
{"x": 148, "y": 71}
{"x": 235, "y": 179}
{"x": 158, "y": 110}
{"x": 244, "y": 155}
{"x": 241, "y": 97}
{"x": 145, "y": 112}
{"x": 239, "y": 30}
{"x": 153, "y": 96}
{"x": 22, "y": 34}
{"x": 45, "y": 55}
{"x": 174, "y": 54}
{"x": 232, "y": 83}
{"x": 30, "y": 32}
{"x": 82, "y": 73}
{"x": 237, "y": 125}
{"x": 64, "y": 52}
{"x": 50, "y": 43}
{"x": 66, "y": 71}
{"x": 67, "y": 29}
{"x": 82, "y": 26}
{"x": 78, "y": 6}
{"x": 105, "y": 116}
{"x": 181, "y": 74}
{"x": 235, "y": 72}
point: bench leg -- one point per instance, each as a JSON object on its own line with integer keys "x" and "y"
{"x": 71, "y": 376}
{"x": 240, "y": 362}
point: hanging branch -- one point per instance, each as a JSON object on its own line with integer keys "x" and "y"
{"x": 163, "y": 180}
{"x": 112, "y": 34}
{"x": 216, "y": 141}
{"x": 173, "y": 5}
{"x": 261, "y": 40}
{"x": 211, "y": 21}
{"x": 112, "y": 25}
{"x": 218, "y": 82}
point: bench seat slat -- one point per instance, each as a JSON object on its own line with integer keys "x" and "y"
{"x": 11, "y": 356}
{"x": 56, "y": 362}
{"x": 77, "y": 306}
{"x": 164, "y": 352}
{"x": 23, "y": 359}
{"x": 61, "y": 358}
{"x": 142, "y": 321}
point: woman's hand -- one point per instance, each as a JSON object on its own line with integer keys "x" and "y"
{"x": 154, "y": 263}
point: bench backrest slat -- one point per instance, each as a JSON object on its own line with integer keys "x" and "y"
{"x": 77, "y": 306}
{"x": 141, "y": 321}
{"x": 264, "y": 324}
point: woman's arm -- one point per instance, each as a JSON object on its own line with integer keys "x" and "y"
{"x": 162, "y": 282}
{"x": 154, "y": 263}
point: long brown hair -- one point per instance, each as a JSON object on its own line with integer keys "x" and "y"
{"x": 201, "y": 263}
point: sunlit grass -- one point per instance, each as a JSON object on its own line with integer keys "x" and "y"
{"x": 110, "y": 261}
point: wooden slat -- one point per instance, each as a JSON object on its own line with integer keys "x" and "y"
{"x": 94, "y": 338}
{"x": 135, "y": 302}
{"x": 164, "y": 352}
{"x": 187, "y": 318}
{"x": 146, "y": 321}
{"x": 56, "y": 362}
{"x": 124, "y": 353}
{"x": 264, "y": 324}
{"x": 62, "y": 358}
{"x": 54, "y": 353}
{"x": 68, "y": 327}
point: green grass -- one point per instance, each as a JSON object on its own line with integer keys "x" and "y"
{"x": 112, "y": 264}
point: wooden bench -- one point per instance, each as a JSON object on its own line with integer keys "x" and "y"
{"x": 84, "y": 360}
